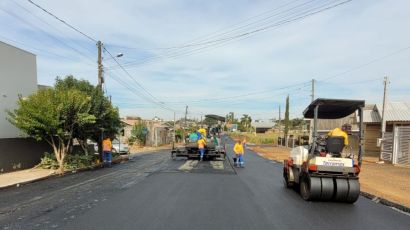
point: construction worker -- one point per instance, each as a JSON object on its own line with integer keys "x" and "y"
{"x": 337, "y": 132}
{"x": 201, "y": 147}
{"x": 239, "y": 152}
{"x": 202, "y": 131}
{"x": 107, "y": 155}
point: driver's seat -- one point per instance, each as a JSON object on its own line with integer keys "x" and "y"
{"x": 335, "y": 145}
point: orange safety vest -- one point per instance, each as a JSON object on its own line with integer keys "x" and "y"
{"x": 201, "y": 143}
{"x": 107, "y": 146}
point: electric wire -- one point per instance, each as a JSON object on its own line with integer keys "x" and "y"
{"x": 221, "y": 41}
{"x": 62, "y": 21}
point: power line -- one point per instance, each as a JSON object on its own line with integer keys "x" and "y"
{"x": 367, "y": 63}
{"x": 40, "y": 19}
{"x": 220, "y": 42}
{"x": 212, "y": 44}
{"x": 114, "y": 58}
{"x": 136, "y": 82}
{"x": 49, "y": 35}
{"x": 61, "y": 20}
{"x": 208, "y": 35}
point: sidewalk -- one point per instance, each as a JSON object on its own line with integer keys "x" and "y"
{"x": 24, "y": 176}
{"x": 34, "y": 174}
{"x": 380, "y": 180}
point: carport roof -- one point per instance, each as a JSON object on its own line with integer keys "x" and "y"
{"x": 395, "y": 111}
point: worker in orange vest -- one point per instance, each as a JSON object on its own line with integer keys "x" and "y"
{"x": 107, "y": 154}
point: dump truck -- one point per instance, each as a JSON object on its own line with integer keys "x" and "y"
{"x": 322, "y": 171}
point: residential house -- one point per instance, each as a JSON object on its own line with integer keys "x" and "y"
{"x": 395, "y": 147}
{"x": 261, "y": 126}
{"x": 158, "y": 132}
{"x": 18, "y": 77}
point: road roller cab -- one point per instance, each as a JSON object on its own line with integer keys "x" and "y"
{"x": 323, "y": 171}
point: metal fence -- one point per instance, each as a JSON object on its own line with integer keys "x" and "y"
{"x": 401, "y": 147}
{"x": 387, "y": 147}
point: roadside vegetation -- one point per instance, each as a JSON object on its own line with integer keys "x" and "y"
{"x": 138, "y": 134}
{"x": 258, "y": 139}
{"x": 71, "y": 110}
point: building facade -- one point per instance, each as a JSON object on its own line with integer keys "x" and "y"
{"x": 18, "y": 77}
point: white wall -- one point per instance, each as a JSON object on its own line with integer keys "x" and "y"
{"x": 18, "y": 75}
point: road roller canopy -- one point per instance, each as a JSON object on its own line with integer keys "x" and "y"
{"x": 332, "y": 108}
{"x": 216, "y": 117}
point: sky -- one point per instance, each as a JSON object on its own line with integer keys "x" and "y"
{"x": 216, "y": 57}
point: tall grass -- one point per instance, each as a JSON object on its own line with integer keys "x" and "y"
{"x": 259, "y": 138}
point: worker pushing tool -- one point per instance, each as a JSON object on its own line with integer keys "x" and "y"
{"x": 239, "y": 152}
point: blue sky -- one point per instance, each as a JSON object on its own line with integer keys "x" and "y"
{"x": 347, "y": 49}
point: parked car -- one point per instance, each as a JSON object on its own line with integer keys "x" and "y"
{"x": 119, "y": 147}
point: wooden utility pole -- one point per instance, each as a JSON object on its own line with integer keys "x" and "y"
{"x": 100, "y": 66}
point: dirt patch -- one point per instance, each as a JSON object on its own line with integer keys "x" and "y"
{"x": 382, "y": 180}
{"x": 145, "y": 149}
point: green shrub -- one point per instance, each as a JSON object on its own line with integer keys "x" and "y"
{"x": 48, "y": 161}
{"x": 72, "y": 162}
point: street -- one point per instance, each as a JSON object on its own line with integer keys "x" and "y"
{"x": 154, "y": 192}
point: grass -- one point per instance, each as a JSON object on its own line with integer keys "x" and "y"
{"x": 259, "y": 138}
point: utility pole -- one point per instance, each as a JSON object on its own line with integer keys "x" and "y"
{"x": 100, "y": 66}
{"x": 311, "y": 121}
{"x": 279, "y": 125}
{"x": 313, "y": 89}
{"x": 385, "y": 82}
{"x": 174, "y": 128}
{"x": 186, "y": 112}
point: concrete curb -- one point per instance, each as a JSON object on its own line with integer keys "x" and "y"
{"x": 94, "y": 167}
{"x": 121, "y": 159}
{"x": 369, "y": 196}
{"x": 386, "y": 202}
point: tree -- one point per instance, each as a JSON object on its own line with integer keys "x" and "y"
{"x": 208, "y": 121}
{"x": 286, "y": 119}
{"x": 108, "y": 121}
{"x": 245, "y": 123}
{"x": 53, "y": 115}
{"x": 230, "y": 118}
{"x": 139, "y": 133}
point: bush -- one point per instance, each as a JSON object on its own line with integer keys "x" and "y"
{"x": 72, "y": 162}
{"x": 139, "y": 133}
{"x": 48, "y": 161}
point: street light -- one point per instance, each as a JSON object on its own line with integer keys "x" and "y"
{"x": 116, "y": 56}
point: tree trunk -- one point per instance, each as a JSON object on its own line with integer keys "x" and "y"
{"x": 84, "y": 145}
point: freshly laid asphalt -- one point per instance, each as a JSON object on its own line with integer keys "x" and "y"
{"x": 151, "y": 193}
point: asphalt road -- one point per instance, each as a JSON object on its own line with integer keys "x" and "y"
{"x": 154, "y": 192}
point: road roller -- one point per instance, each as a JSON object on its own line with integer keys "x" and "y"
{"x": 325, "y": 170}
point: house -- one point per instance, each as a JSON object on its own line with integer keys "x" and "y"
{"x": 395, "y": 147}
{"x": 261, "y": 126}
{"x": 158, "y": 133}
{"x": 18, "y": 77}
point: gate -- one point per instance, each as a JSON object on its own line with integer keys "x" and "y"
{"x": 401, "y": 147}
{"x": 387, "y": 147}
